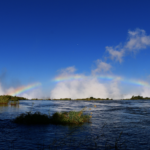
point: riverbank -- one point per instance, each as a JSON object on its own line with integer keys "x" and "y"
{"x": 4, "y": 99}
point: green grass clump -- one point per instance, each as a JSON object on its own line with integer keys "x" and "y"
{"x": 4, "y": 99}
{"x": 70, "y": 118}
{"x": 65, "y": 118}
{"x": 29, "y": 118}
{"x": 7, "y": 98}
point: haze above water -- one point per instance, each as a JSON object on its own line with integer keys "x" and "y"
{"x": 109, "y": 119}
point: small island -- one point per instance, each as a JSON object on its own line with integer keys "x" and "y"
{"x": 5, "y": 99}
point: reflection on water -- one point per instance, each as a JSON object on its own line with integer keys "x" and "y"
{"x": 125, "y": 123}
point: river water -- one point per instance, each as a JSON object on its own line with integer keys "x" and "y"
{"x": 115, "y": 124}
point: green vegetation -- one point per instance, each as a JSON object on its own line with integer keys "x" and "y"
{"x": 137, "y": 98}
{"x": 70, "y": 118}
{"x": 92, "y": 98}
{"x": 65, "y": 118}
{"x": 40, "y": 99}
{"x": 29, "y": 118}
{"x": 7, "y": 98}
{"x": 4, "y": 99}
{"x": 34, "y": 99}
{"x": 63, "y": 99}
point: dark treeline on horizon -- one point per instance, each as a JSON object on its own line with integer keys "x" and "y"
{"x": 7, "y": 98}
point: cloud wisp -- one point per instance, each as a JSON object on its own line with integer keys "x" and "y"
{"x": 101, "y": 67}
{"x": 137, "y": 40}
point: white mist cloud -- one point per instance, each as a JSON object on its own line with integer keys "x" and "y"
{"x": 90, "y": 86}
{"x": 85, "y": 87}
{"x": 35, "y": 93}
{"x": 4, "y": 91}
{"x": 1, "y": 90}
{"x": 137, "y": 40}
{"x": 145, "y": 92}
{"x": 79, "y": 89}
{"x": 114, "y": 89}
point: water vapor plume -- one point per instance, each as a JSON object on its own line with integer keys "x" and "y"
{"x": 84, "y": 87}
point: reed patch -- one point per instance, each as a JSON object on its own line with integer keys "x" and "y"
{"x": 63, "y": 118}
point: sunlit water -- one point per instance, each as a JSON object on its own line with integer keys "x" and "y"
{"x": 124, "y": 123}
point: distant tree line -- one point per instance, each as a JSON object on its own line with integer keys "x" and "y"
{"x": 92, "y": 98}
{"x": 139, "y": 97}
{"x": 7, "y": 98}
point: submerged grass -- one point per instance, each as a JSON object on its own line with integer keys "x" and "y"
{"x": 14, "y": 102}
{"x": 64, "y": 118}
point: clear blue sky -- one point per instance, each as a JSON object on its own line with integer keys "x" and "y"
{"x": 38, "y": 38}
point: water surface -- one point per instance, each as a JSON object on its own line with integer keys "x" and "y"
{"x": 124, "y": 123}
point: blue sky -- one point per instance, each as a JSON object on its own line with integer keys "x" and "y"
{"x": 39, "y": 40}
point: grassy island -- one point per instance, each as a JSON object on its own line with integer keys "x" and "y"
{"x": 64, "y": 118}
{"x": 4, "y": 99}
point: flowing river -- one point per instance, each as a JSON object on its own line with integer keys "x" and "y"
{"x": 115, "y": 124}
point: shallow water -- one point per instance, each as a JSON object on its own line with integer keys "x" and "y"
{"x": 124, "y": 123}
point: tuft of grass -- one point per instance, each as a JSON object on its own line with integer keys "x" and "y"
{"x": 32, "y": 118}
{"x": 65, "y": 118}
{"x": 70, "y": 118}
